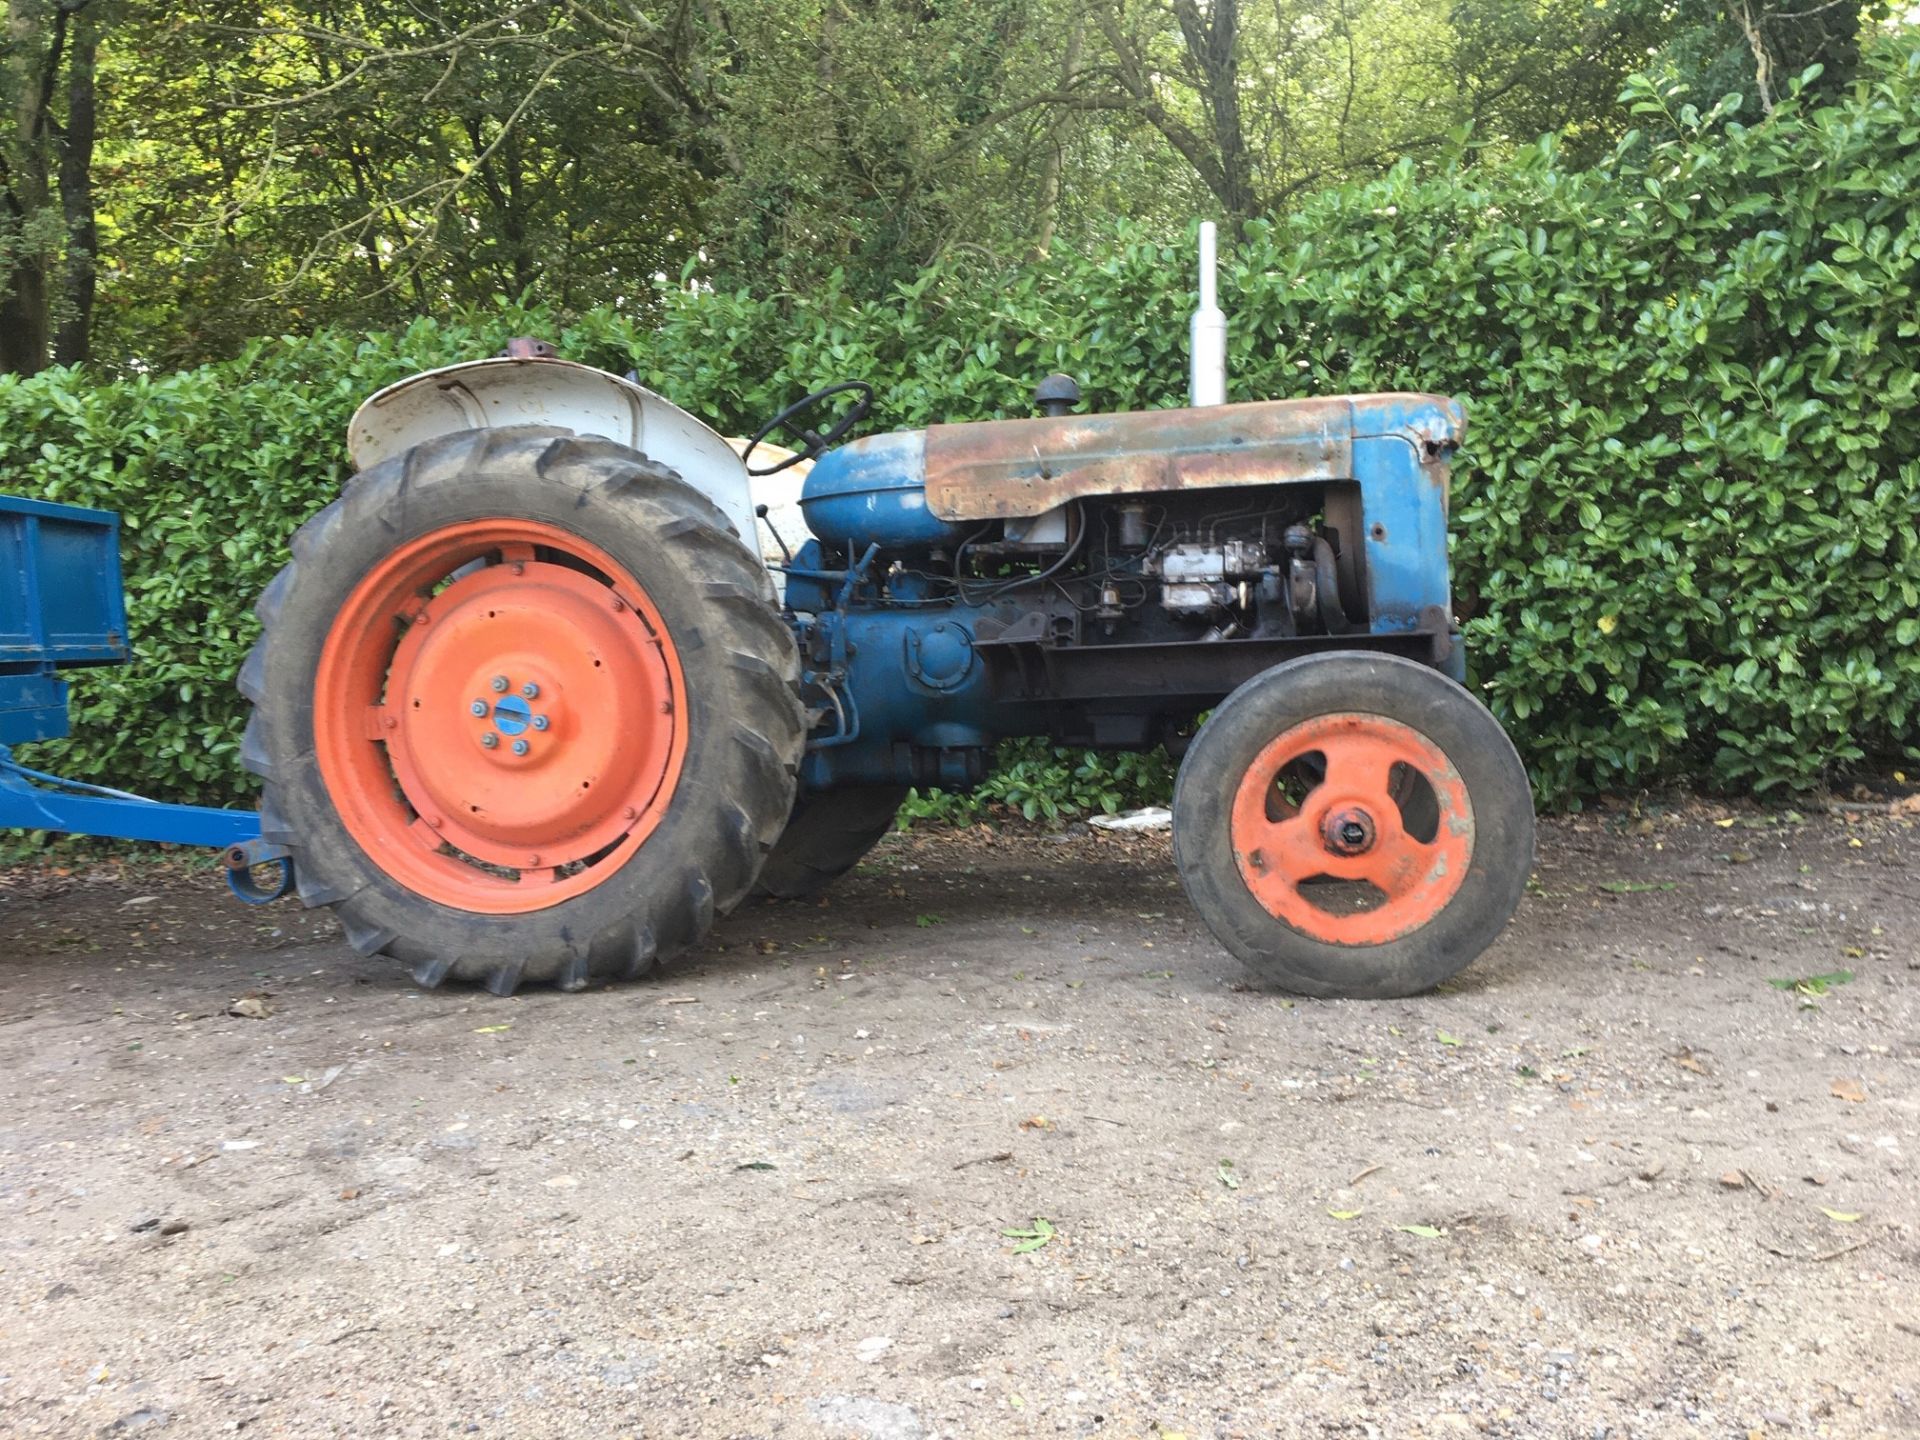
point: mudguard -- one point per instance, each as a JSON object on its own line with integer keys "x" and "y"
{"x": 506, "y": 390}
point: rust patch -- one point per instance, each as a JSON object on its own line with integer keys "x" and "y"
{"x": 995, "y": 469}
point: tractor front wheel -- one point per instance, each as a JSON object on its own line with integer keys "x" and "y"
{"x": 524, "y": 709}
{"x": 1353, "y": 824}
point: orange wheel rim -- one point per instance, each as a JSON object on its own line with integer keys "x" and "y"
{"x": 1353, "y": 829}
{"x": 499, "y": 716}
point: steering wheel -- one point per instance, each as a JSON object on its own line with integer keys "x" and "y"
{"x": 813, "y": 444}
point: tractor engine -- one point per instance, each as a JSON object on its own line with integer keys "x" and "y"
{"x": 1101, "y": 578}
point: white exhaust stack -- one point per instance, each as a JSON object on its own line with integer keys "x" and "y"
{"x": 1208, "y": 343}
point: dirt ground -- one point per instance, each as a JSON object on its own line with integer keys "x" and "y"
{"x": 1614, "y": 1181}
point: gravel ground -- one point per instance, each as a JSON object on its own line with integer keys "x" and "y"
{"x": 1612, "y": 1181}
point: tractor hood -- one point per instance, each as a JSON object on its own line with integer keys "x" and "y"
{"x": 1001, "y": 469}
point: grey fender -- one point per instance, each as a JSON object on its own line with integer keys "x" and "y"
{"x": 482, "y": 394}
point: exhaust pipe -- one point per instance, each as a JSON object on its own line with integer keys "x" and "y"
{"x": 1208, "y": 337}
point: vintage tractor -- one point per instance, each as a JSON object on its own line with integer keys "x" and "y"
{"x": 529, "y": 705}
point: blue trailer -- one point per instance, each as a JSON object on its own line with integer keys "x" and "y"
{"x": 62, "y": 608}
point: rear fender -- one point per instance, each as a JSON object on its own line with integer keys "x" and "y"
{"x": 514, "y": 391}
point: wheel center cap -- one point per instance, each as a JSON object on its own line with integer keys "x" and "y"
{"x": 1348, "y": 831}
{"x": 500, "y": 734}
{"x": 512, "y": 715}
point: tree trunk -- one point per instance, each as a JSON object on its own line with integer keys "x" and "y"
{"x": 1219, "y": 156}
{"x": 1762, "y": 61}
{"x": 72, "y": 342}
{"x": 1049, "y": 215}
{"x": 33, "y": 63}
{"x": 1213, "y": 43}
{"x": 23, "y": 319}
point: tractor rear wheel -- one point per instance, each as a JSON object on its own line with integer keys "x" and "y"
{"x": 524, "y": 709}
{"x": 827, "y": 836}
{"x": 1353, "y": 824}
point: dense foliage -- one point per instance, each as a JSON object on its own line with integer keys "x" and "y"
{"x": 1686, "y": 524}
{"x": 1051, "y": 783}
{"x": 177, "y": 178}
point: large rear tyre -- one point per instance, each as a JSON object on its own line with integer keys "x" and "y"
{"x": 827, "y": 836}
{"x": 1353, "y": 824}
{"x": 524, "y": 709}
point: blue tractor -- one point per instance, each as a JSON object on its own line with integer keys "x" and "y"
{"x": 529, "y": 706}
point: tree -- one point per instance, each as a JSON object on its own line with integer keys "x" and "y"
{"x": 1266, "y": 103}
{"x": 360, "y": 163}
{"x": 1759, "y": 47}
{"x": 878, "y": 138}
{"x": 48, "y": 236}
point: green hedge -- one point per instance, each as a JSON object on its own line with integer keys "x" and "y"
{"x": 1685, "y": 523}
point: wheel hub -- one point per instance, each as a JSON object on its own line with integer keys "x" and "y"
{"x": 531, "y": 774}
{"x": 1348, "y": 832}
{"x": 512, "y": 716}
{"x": 1354, "y": 822}
{"x": 522, "y": 728}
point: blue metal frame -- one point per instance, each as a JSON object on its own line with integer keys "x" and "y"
{"x": 62, "y": 606}
{"x": 60, "y": 597}
{"x": 1403, "y": 496}
{"x": 1394, "y": 448}
{"x": 29, "y": 800}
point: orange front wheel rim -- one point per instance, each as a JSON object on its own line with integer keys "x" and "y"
{"x": 1353, "y": 829}
{"x": 499, "y": 715}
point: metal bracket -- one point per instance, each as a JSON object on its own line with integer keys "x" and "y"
{"x": 244, "y": 859}
{"x": 34, "y": 800}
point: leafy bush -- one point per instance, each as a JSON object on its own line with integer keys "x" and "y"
{"x": 1049, "y": 782}
{"x": 1686, "y": 523}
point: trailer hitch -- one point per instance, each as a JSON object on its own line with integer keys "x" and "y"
{"x": 244, "y": 863}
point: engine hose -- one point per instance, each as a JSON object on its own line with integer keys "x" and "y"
{"x": 1002, "y": 587}
{"x": 1326, "y": 586}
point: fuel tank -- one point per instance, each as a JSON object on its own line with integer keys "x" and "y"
{"x": 874, "y": 492}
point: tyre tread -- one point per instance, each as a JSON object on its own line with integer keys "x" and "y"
{"x": 827, "y": 836}
{"x": 747, "y": 792}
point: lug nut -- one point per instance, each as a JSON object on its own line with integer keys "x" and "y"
{"x": 519, "y": 747}
{"x": 499, "y": 683}
{"x": 489, "y": 740}
{"x": 533, "y": 859}
{"x": 530, "y": 690}
{"x": 479, "y": 707}
{"x": 540, "y": 722}
{"x": 434, "y": 822}
{"x": 1353, "y": 832}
